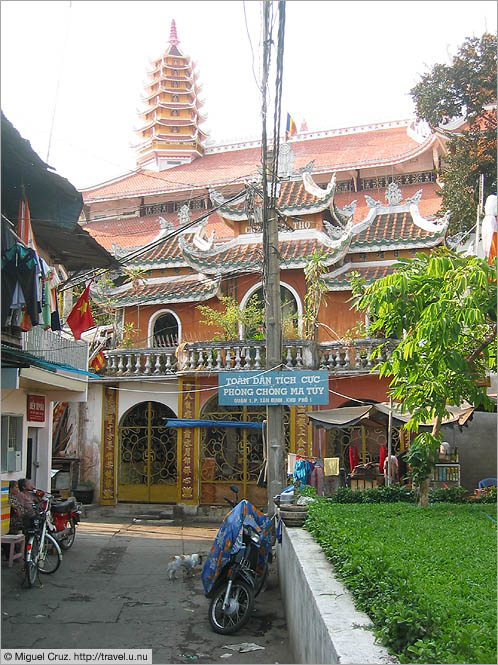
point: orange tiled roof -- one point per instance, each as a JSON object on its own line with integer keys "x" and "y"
{"x": 293, "y": 253}
{"x": 174, "y": 290}
{"x": 331, "y": 153}
{"x": 393, "y": 231}
{"x": 126, "y": 232}
{"x": 340, "y": 280}
{"x": 140, "y": 231}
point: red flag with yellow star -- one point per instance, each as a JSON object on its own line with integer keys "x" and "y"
{"x": 81, "y": 318}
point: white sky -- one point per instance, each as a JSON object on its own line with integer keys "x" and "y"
{"x": 346, "y": 64}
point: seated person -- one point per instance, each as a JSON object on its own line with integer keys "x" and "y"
{"x": 26, "y": 495}
{"x": 16, "y": 508}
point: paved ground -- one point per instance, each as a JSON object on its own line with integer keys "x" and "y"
{"x": 112, "y": 591}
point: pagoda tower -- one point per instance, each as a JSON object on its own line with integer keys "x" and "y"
{"x": 170, "y": 134}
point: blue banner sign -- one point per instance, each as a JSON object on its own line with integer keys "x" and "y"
{"x": 273, "y": 388}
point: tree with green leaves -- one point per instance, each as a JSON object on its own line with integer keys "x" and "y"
{"x": 314, "y": 275}
{"x": 442, "y": 308}
{"x": 232, "y": 316}
{"x": 465, "y": 89}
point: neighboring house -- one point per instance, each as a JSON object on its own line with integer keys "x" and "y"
{"x": 41, "y": 366}
{"x": 363, "y": 196}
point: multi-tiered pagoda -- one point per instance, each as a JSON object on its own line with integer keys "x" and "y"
{"x": 171, "y": 134}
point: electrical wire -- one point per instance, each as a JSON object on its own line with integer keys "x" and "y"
{"x": 195, "y": 390}
{"x": 59, "y": 81}
{"x": 250, "y": 44}
{"x": 71, "y": 282}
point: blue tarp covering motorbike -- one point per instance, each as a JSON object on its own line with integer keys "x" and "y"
{"x": 229, "y": 540}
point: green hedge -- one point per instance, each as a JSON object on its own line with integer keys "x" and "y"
{"x": 426, "y": 577}
{"x": 395, "y": 493}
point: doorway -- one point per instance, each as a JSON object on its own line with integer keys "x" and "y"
{"x": 32, "y": 455}
{"x": 147, "y": 455}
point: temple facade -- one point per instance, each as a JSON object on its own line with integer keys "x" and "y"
{"x": 188, "y": 226}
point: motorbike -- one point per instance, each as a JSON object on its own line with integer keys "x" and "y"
{"x": 236, "y": 568}
{"x": 64, "y": 516}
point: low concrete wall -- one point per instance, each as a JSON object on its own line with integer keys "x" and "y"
{"x": 323, "y": 624}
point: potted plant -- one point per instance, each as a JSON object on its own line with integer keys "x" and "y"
{"x": 84, "y": 492}
{"x": 296, "y": 513}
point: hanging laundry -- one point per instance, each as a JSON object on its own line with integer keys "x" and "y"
{"x": 291, "y": 463}
{"x": 353, "y": 457}
{"x": 382, "y": 457}
{"x": 331, "y": 466}
{"x": 20, "y": 270}
{"x": 317, "y": 477}
{"x": 302, "y": 471}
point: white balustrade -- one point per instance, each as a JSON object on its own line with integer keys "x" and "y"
{"x": 212, "y": 357}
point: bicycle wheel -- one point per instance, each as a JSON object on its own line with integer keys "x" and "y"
{"x": 31, "y": 554}
{"x": 68, "y": 540}
{"x": 50, "y": 555}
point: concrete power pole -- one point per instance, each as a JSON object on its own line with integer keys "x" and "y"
{"x": 271, "y": 289}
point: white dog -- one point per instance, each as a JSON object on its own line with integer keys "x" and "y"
{"x": 188, "y": 562}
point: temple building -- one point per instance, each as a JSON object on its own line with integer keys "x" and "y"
{"x": 189, "y": 224}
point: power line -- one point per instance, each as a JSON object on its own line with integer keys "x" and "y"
{"x": 59, "y": 81}
{"x": 149, "y": 247}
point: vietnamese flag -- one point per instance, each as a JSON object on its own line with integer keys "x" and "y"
{"x": 81, "y": 318}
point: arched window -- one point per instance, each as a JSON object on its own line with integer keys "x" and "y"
{"x": 164, "y": 330}
{"x": 174, "y": 112}
{"x": 175, "y": 98}
{"x": 291, "y": 311}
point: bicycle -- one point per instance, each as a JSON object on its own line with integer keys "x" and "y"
{"x": 42, "y": 553}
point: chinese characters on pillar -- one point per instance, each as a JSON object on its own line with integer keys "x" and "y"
{"x": 302, "y": 425}
{"x": 109, "y": 425}
{"x": 187, "y": 443}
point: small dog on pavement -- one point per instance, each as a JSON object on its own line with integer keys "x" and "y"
{"x": 188, "y": 562}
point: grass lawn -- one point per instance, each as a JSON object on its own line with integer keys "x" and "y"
{"x": 426, "y": 577}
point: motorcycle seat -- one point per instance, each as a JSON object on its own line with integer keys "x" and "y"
{"x": 64, "y": 506}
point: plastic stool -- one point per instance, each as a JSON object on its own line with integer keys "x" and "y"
{"x": 13, "y": 540}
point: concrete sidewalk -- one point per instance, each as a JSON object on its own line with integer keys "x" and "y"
{"x": 112, "y": 591}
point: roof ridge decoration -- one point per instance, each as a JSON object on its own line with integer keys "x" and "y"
{"x": 165, "y": 224}
{"x": 286, "y": 158}
{"x": 312, "y": 188}
{"x": 191, "y": 250}
{"x": 395, "y": 204}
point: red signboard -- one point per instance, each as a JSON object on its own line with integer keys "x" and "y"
{"x": 36, "y": 408}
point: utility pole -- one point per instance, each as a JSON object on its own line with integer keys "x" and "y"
{"x": 271, "y": 287}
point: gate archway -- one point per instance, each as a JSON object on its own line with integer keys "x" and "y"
{"x": 233, "y": 455}
{"x": 147, "y": 469}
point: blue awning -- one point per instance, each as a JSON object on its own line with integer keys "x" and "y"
{"x": 196, "y": 422}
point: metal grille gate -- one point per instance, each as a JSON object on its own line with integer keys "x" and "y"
{"x": 147, "y": 455}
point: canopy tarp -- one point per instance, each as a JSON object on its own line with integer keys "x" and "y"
{"x": 345, "y": 417}
{"x": 459, "y": 415}
{"x": 196, "y": 422}
{"x": 375, "y": 413}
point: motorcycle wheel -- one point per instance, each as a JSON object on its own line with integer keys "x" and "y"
{"x": 67, "y": 542}
{"x": 50, "y": 556}
{"x": 30, "y": 563}
{"x": 238, "y": 612}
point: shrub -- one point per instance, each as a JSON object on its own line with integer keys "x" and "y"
{"x": 487, "y": 495}
{"x": 413, "y": 571}
{"x": 394, "y": 493}
{"x": 382, "y": 494}
{"x": 448, "y": 495}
